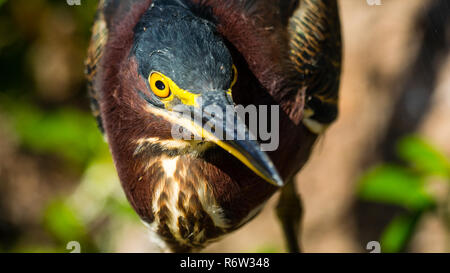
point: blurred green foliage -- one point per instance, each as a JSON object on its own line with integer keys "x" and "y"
{"x": 65, "y": 225}
{"x": 66, "y": 132}
{"x": 423, "y": 157}
{"x": 72, "y": 135}
{"x": 268, "y": 248}
{"x": 63, "y": 222}
{"x": 44, "y": 104}
{"x": 399, "y": 231}
{"x": 406, "y": 185}
{"x": 395, "y": 185}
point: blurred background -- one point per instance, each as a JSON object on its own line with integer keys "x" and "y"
{"x": 380, "y": 173}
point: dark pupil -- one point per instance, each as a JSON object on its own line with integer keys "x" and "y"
{"x": 160, "y": 85}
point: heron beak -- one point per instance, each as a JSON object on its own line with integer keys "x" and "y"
{"x": 215, "y": 120}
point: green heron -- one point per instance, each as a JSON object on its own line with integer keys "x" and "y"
{"x": 147, "y": 58}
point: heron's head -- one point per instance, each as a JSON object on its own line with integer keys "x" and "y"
{"x": 190, "y": 75}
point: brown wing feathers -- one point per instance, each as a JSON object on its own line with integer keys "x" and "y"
{"x": 95, "y": 50}
{"x": 108, "y": 20}
{"x": 315, "y": 47}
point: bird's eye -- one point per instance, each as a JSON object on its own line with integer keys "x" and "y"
{"x": 235, "y": 75}
{"x": 159, "y": 85}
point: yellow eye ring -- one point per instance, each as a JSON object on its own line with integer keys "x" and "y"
{"x": 159, "y": 85}
{"x": 235, "y": 75}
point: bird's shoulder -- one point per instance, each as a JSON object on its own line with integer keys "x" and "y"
{"x": 109, "y": 18}
{"x": 95, "y": 51}
{"x": 315, "y": 51}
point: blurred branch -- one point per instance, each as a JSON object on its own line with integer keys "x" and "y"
{"x": 419, "y": 83}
